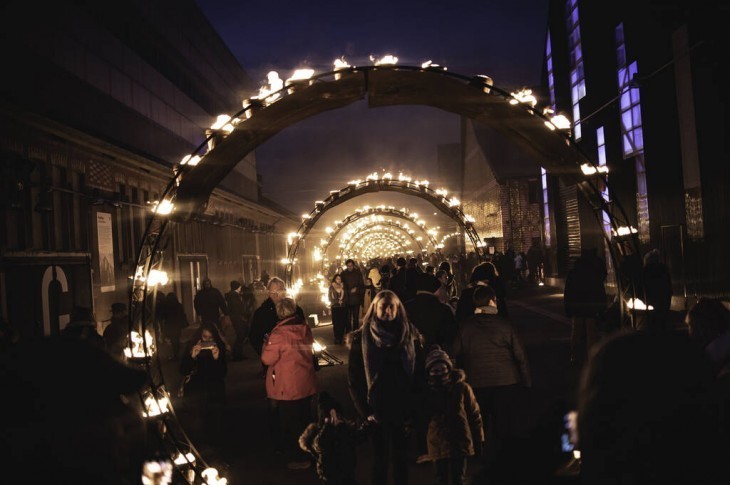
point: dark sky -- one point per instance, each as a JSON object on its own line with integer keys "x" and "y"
{"x": 504, "y": 40}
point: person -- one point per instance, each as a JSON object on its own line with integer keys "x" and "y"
{"x": 658, "y": 292}
{"x": 175, "y": 322}
{"x": 82, "y": 326}
{"x": 450, "y": 283}
{"x": 333, "y": 442}
{"x": 65, "y": 420}
{"x": 433, "y": 319}
{"x": 291, "y": 380}
{"x": 455, "y": 429}
{"x": 430, "y": 270}
{"x": 116, "y": 334}
{"x": 368, "y": 295}
{"x": 483, "y": 274}
{"x": 443, "y": 291}
{"x": 708, "y": 324}
{"x": 338, "y": 308}
{"x": 398, "y": 282}
{"x": 646, "y": 413}
{"x": 585, "y": 301}
{"x": 385, "y": 376}
{"x": 354, "y": 289}
{"x": 234, "y": 302}
{"x": 385, "y": 277}
{"x": 209, "y": 303}
{"x": 521, "y": 267}
{"x": 491, "y": 352}
{"x": 412, "y": 272}
{"x": 535, "y": 260}
{"x": 204, "y": 360}
{"x": 374, "y": 275}
{"x": 260, "y": 294}
{"x": 264, "y": 318}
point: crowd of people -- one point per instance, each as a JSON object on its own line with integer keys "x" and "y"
{"x": 436, "y": 366}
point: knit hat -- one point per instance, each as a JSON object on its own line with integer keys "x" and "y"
{"x": 235, "y": 285}
{"x": 436, "y": 355}
{"x": 325, "y": 403}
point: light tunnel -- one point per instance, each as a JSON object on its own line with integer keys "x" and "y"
{"x": 196, "y": 176}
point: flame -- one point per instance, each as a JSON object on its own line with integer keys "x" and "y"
{"x": 340, "y": 64}
{"x": 190, "y": 160}
{"x": 523, "y": 96}
{"x": 163, "y": 208}
{"x": 186, "y": 459}
{"x": 560, "y": 122}
{"x": 270, "y": 92}
{"x": 387, "y": 60}
{"x": 638, "y": 304}
{"x": 156, "y": 407}
{"x": 222, "y": 123}
{"x": 300, "y": 75}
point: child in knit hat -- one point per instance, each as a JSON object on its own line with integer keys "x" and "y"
{"x": 333, "y": 441}
{"x": 454, "y": 422}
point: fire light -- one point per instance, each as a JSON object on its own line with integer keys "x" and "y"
{"x": 638, "y": 305}
{"x": 156, "y": 406}
{"x": 163, "y": 208}
{"x": 212, "y": 477}
{"x": 523, "y": 96}
{"x": 589, "y": 169}
{"x": 624, "y": 231}
{"x": 157, "y": 473}
{"x": 222, "y": 123}
{"x": 387, "y": 60}
{"x": 190, "y": 160}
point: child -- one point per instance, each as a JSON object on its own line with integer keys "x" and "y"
{"x": 454, "y": 421}
{"x": 332, "y": 440}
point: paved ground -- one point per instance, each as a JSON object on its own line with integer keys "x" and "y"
{"x": 244, "y": 450}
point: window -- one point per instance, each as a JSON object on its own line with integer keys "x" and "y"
{"x": 577, "y": 75}
{"x": 601, "y": 142}
{"x": 545, "y": 206}
{"x": 632, "y": 135}
{"x": 551, "y": 78}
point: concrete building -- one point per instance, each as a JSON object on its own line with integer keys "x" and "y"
{"x": 98, "y": 102}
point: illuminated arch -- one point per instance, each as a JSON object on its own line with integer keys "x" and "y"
{"x": 377, "y": 227}
{"x": 473, "y": 97}
{"x": 379, "y": 211}
{"x": 399, "y": 245}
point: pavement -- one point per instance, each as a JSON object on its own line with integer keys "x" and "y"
{"x": 243, "y": 451}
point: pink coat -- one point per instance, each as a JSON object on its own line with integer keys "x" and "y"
{"x": 288, "y": 353}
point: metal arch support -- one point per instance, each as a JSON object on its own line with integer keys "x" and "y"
{"x": 471, "y": 97}
{"x": 369, "y": 230}
{"x": 356, "y": 216}
{"x": 406, "y": 187}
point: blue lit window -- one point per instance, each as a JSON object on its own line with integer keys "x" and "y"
{"x": 551, "y": 79}
{"x": 545, "y": 206}
{"x": 632, "y": 134}
{"x": 601, "y": 142}
{"x": 577, "y": 76}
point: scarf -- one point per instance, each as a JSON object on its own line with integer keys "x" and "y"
{"x": 338, "y": 287}
{"x": 489, "y": 310}
{"x": 439, "y": 382}
{"x": 375, "y": 336}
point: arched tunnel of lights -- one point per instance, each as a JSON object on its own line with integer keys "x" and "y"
{"x": 368, "y": 234}
{"x": 283, "y": 103}
{"x": 369, "y": 215}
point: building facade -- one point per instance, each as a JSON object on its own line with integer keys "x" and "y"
{"x": 643, "y": 85}
{"x": 101, "y": 102}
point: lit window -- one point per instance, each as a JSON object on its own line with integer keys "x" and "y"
{"x": 601, "y": 141}
{"x": 577, "y": 76}
{"x": 551, "y": 80}
{"x": 545, "y": 206}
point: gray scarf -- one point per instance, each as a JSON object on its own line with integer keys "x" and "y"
{"x": 375, "y": 336}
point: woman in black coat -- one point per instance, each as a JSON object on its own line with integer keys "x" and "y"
{"x": 204, "y": 361}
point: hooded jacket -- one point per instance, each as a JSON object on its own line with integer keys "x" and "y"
{"x": 491, "y": 352}
{"x": 455, "y": 421}
{"x": 288, "y": 354}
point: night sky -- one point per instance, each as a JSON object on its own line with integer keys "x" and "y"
{"x": 504, "y": 40}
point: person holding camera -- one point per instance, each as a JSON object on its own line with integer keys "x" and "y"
{"x": 204, "y": 361}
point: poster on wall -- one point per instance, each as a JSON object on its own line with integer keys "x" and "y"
{"x": 106, "y": 251}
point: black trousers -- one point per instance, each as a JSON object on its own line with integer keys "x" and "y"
{"x": 501, "y": 408}
{"x": 287, "y": 420}
{"x": 339, "y": 322}
{"x": 353, "y": 317}
{"x": 390, "y": 445}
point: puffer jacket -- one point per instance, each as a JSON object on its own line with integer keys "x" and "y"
{"x": 455, "y": 423}
{"x": 288, "y": 355}
{"x": 491, "y": 352}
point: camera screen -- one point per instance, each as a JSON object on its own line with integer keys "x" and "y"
{"x": 569, "y": 437}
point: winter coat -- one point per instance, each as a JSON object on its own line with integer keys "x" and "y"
{"x": 263, "y": 322}
{"x": 335, "y": 449}
{"x": 175, "y": 318}
{"x": 207, "y": 375}
{"x": 491, "y": 352}
{"x": 432, "y": 318}
{"x": 658, "y": 286}
{"x": 209, "y": 304}
{"x": 234, "y": 300}
{"x": 465, "y": 307}
{"x": 394, "y": 396}
{"x": 288, "y": 354}
{"x": 455, "y": 421}
{"x": 353, "y": 280}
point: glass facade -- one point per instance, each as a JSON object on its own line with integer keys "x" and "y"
{"x": 577, "y": 75}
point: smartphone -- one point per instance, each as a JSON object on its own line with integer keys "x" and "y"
{"x": 208, "y": 345}
{"x": 569, "y": 437}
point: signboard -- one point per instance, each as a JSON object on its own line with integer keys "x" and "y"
{"x": 106, "y": 251}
